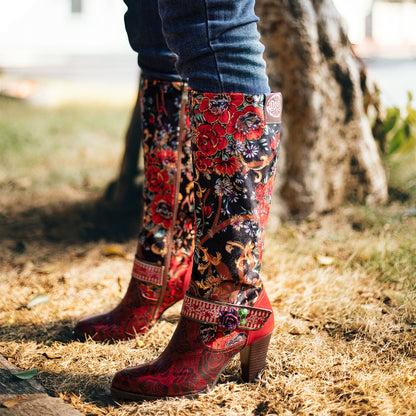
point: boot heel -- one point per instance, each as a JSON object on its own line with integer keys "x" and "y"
{"x": 253, "y": 358}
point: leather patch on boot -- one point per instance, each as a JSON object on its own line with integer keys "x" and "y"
{"x": 273, "y": 108}
{"x": 210, "y": 312}
{"x": 147, "y": 272}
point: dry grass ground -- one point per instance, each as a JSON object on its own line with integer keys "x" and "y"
{"x": 342, "y": 286}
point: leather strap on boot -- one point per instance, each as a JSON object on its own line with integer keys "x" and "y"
{"x": 224, "y": 315}
{"x": 147, "y": 272}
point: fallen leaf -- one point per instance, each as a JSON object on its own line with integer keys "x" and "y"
{"x": 51, "y": 355}
{"x": 113, "y": 251}
{"x": 410, "y": 379}
{"x": 139, "y": 342}
{"x": 47, "y": 269}
{"x": 13, "y": 402}
{"x": 37, "y": 300}
{"x": 120, "y": 286}
{"x": 9, "y": 322}
{"x": 26, "y": 375}
{"x": 324, "y": 260}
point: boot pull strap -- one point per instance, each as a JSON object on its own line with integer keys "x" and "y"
{"x": 224, "y": 315}
{"x": 273, "y": 107}
{"x": 147, "y": 272}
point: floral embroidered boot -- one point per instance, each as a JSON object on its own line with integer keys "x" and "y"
{"x": 163, "y": 262}
{"x": 226, "y": 311}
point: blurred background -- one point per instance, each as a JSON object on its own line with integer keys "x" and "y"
{"x": 64, "y": 50}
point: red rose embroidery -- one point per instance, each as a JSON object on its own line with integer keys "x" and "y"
{"x": 207, "y": 211}
{"x": 219, "y": 107}
{"x": 157, "y": 180}
{"x": 247, "y": 124}
{"x": 162, "y": 208}
{"x": 260, "y": 191}
{"x": 274, "y": 142}
{"x": 174, "y": 287}
{"x": 227, "y": 166}
{"x": 203, "y": 164}
{"x": 263, "y": 212}
{"x": 167, "y": 157}
{"x": 211, "y": 139}
{"x": 211, "y": 362}
{"x": 269, "y": 188}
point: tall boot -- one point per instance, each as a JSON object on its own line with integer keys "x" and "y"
{"x": 163, "y": 262}
{"x": 226, "y": 311}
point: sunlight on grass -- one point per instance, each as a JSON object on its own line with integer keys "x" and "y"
{"x": 48, "y": 147}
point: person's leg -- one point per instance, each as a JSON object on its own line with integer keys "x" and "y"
{"x": 217, "y": 44}
{"x": 144, "y": 30}
{"x": 235, "y": 124}
{"x": 163, "y": 262}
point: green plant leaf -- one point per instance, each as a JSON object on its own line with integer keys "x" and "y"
{"x": 26, "y": 375}
{"x": 392, "y": 116}
{"x": 411, "y": 115}
{"x": 406, "y": 128}
{"x": 37, "y": 300}
{"x": 396, "y": 141}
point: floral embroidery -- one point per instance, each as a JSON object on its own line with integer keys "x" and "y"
{"x": 235, "y": 156}
{"x": 161, "y": 102}
{"x": 136, "y": 312}
{"x": 229, "y": 319}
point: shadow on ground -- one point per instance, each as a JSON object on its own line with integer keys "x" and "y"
{"x": 74, "y": 221}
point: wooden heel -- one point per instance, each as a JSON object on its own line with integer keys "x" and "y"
{"x": 253, "y": 358}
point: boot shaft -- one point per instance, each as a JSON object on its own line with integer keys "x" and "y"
{"x": 234, "y": 149}
{"x": 168, "y": 171}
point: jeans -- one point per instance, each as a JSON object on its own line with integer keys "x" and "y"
{"x": 213, "y": 44}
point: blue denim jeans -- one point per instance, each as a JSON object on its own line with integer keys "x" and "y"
{"x": 214, "y": 44}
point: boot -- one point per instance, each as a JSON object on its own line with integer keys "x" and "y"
{"x": 163, "y": 262}
{"x": 226, "y": 311}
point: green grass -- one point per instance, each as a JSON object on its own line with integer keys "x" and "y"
{"x": 42, "y": 146}
{"x": 397, "y": 266}
{"x": 402, "y": 176}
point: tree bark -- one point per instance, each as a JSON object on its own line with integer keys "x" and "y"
{"x": 328, "y": 152}
{"x": 328, "y": 155}
{"x": 124, "y": 189}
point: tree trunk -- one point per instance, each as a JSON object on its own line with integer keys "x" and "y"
{"x": 124, "y": 189}
{"x": 328, "y": 152}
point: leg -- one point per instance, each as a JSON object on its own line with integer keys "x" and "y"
{"x": 217, "y": 44}
{"x": 163, "y": 263}
{"x": 235, "y": 124}
{"x": 144, "y": 30}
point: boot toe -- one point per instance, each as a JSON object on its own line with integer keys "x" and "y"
{"x": 86, "y": 327}
{"x": 134, "y": 383}
{"x": 98, "y": 327}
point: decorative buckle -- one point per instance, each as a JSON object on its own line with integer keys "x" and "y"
{"x": 224, "y": 315}
{"x": 147, "y": 272}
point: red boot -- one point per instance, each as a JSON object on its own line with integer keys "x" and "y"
{"x": 163, "y": 264}
{"x": 226, "y": 310}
